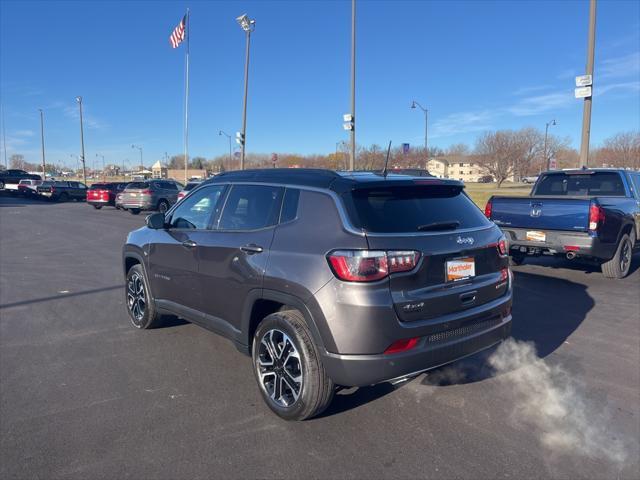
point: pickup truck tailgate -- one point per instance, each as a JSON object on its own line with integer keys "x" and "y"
{"x": 544, "y": 213}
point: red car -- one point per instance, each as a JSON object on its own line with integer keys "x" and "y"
{"x": 101, "y": 194}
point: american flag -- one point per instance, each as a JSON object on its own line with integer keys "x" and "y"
{"x": 177, "y": 36}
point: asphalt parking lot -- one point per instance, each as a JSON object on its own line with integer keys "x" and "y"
{"x": 84, "y": 395}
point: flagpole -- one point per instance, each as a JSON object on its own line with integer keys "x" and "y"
{"x": 186, "y": 102}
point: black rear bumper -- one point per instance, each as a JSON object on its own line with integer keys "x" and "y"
{"x": 558, "y": 243}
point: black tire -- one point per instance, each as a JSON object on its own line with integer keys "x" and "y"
{"x": 315, "y": 389}
{"x": 1, "y": 185}
{"x": 97, "y": 207}
{"x": 515, "y": 260}
{"x": 141, "y": 309}
{"x": 134, "y": 211}
{"x": 619, "y": 265}
{"x": 163, "y": 206}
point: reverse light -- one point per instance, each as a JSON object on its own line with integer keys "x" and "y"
{"x": 371, "y": 265}
{"x": 596, "y": 216}
{"x": 402, "y": 345}
{"x": 504, "y": 274}
{"x": 502, "y": 247}
{"x": 487, "y": 209}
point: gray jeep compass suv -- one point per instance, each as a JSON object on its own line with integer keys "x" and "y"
{"x": 325, "y": 279}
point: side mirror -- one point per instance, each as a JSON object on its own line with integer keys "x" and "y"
{"x": 156, "y": 221}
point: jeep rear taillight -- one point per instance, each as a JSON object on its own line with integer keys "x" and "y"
{"x": 502, "y": 247}
{"x": 596, "y": 216}
{"x": 371, "y": 265}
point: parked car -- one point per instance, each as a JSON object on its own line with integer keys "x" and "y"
{"x": 28, "y": 187}
{"x": 485, "y": 179}
{"x": 586, "y": 213}
{"x": 149, "y": 195}
{"x": 62, "y": 191}
{"x": 530, "y": 180}
{"x": 9, "y": 179}
{"x": 325, "y": 278}
{"x": 103, "y": 194}
{"x": 187, "y": 188}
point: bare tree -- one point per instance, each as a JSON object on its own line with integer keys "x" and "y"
{"x": 458, "y": 149}
{"x": 17, "y": 161}
{"x": 496, "y": 153}
{"x": 621, "y": 150}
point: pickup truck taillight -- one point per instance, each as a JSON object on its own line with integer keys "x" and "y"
{"x": 371, "y": 265}
{"x": 596, "y": 216}
{"x": 487, "y": 209}
{"x": 145, "y": 192}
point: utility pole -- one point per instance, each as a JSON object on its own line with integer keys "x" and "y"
{"x": 44, "y": 166}
{"x": 248, "y": 25}
{"x": 4, "y": 139}
{"x": 84, "y": 168}
{"x": 221, "y": 132}
{"x": 352, "y": 159}
{"x": 586, "y": 113}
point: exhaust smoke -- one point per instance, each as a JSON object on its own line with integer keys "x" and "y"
{"x": 547, "y": 399}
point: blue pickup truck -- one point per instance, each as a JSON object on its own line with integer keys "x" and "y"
{"x": 585, "y": 213}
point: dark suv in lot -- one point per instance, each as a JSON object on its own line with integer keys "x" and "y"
{"x": 325, "y": 279}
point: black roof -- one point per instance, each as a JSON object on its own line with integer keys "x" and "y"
{"x": 339, "y": 181}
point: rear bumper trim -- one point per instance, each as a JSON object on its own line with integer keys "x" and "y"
{"x": 363, "y": 370}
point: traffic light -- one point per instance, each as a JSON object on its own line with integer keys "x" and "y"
{"x": 240, "y": 138}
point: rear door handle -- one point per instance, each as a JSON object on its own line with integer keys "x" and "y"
{"x": 252, "y": 248}
{"x": 468, "y": 298}
{"x": 189, "y": 244}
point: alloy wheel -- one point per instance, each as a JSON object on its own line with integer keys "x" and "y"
{"x": 136, "y": 298}
{"x": 625, "y": 256}
{"x": 279, "y": 368}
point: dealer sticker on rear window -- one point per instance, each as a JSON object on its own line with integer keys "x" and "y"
{"x": 460, "y": 268}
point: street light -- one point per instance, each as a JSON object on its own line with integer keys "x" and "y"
{"x": 546, "y": 132}
{"x": 44, "y": 169}
{"x": 220, "y": 132}
{"x": 248, "y": 25}
{"x": 84, "y": 169}
{"x": 139, "y": 148}
{"x": 415, "y": 104}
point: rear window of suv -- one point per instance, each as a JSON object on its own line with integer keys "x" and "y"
{"x": 407, "y": 208}
{"x": 137, "y": 185}
{"x": 583, "y": 184}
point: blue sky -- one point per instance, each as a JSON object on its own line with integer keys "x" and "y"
{"x": 476, "y": 65}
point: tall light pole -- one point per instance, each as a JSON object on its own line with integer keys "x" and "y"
{"x": 44, "y": 167}
{"x": 140, "y": 148}
{"x": 586, "y": 113}
{"x": 221, "y": 132}
{"x": 248, "y": 25}
{"x": 415, "y": 104}
{"x": 352, "y": 158}
{"x": 546, "y": 132}
{"x": 84, "y": 168}
{"x": 4, "y": 139}
{"x": 100, "y": 155}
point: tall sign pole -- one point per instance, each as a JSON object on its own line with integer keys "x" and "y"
{"x": 44, "y": 169}
{"x": 352, "y": 159}
{"x": 586, "y": 114}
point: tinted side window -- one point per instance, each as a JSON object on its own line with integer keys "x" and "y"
{"x": 169, "y": 186}
{"x": 250, "y": 207}
{"x": 635, "y": 180}
{"x": 197, "y": 210}
{"x": 290, "y": 205}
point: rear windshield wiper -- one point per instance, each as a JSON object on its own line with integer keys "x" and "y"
{"x": 450, "y": 225}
